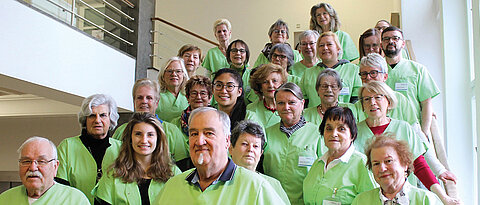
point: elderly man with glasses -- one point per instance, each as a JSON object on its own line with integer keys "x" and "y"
{"x": 38, "y": 166}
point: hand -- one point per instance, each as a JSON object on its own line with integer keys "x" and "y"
{"x": 447, "y": 175}
{"x": 450, "y": 201}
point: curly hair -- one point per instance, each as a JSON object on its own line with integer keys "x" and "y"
{"x": 334, "y": 20}
{"x": 262, "y": 72}
{"x": 388, "y": 140}
{"x": 126, "y": 166}
{"x": 199, "y": 80}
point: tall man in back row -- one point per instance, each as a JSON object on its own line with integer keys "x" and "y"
{"x": 216, "y": 179}
{"x": 408, "y": 77}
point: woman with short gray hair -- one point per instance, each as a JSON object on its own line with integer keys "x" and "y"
{"x": 307, "y": 42}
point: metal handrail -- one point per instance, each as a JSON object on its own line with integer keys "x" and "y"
{"x": 118, "y": 10}
{"x": 184, "y": 30}
{"x": 95, "y": 25}
{"x": 107, "y": 17}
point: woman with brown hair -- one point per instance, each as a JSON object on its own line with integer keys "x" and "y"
{"x": 142, "y": 167}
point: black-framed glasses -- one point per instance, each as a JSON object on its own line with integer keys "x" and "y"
{"x": 393, "y": 38}
{"x": 377, "y": 98}
{"x": 274, "y": 55}
{"x": 326, "y": 86}
{"x": 229, "y": 86}
{"x": 234, "y": 50}
{"x": 39, "y": 163}
{"x": 311, "y": 44}
{"x": 373, "y": 74}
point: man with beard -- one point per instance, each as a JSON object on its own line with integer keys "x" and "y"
{"x": 38, "y": 166}
{"x": 408, "y": 77}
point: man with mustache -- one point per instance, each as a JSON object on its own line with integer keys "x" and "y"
{"x": 408, "y": 77}
{"x": 37, "y": 167}
{"x": 216, "y": 179}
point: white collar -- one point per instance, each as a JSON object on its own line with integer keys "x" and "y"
{"x": 344, "y": 158}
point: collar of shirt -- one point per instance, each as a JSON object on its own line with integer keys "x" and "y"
{"x": 344, "y": 158}
{"x": 290, "y": 130}
{"x": 401, "y": 198}
{"x": 340, "y": 62}
{"x": 227, "y": 175}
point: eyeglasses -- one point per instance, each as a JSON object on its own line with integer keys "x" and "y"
{"x": 234, "y": 50}
{"x": 394, "y": 38}
{"x": 377, "y": 98}
{"x": 373, "y": 74}
{"x": 203, "y": 94}
{"x": 170, "y": 72}
{"x": 229, "y": 86}
{"x": 311, "y": 44}
{"x": 28, "y": 162}
{"x": 274, "y": 55}
{"x": 277, "y": 31}
{"x": 369, "y": 46}
{"x": 326, "y": 86}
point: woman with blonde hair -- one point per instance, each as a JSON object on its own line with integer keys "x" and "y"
{"x": 216, "y": 57}
{"x": 172, "y": 79}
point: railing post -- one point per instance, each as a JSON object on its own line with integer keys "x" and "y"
{"x": 73, "y": 15}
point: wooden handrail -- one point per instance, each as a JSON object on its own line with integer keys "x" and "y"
{"x": 184, "y": 30}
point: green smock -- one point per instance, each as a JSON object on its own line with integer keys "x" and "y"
{"x": 311, "y": 113}
{"x": 266, "y": 117}
{"x": 178, "y": 124}
{"x": 351, "y": 82}
{"x": 170, "y": 107}
{"x": 215, "y": 60}
{"x": 277, "y": 186}
{"x": 114, "y": 191}
{"x": 350, "y": 51}
{"x": 77, "y": 165}
{"x": 298, "y": 69}
{"x": 402, "y": 130}
{"x": 261, "y": 59}
{"x": 350, "y": 178}
{"x": 281, "y": 157}
{"x": 245, "y": 187}
{"x": 414, "y": 81}
{"x": 415, "y": 195}
{"x": 57, "y": 194}
{"x": 403, "y": 111}
{"x": 175, "y": 139}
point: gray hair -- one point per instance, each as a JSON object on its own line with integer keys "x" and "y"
{"x": 222, "y": 116}
{"x": 329, "y": 72}
{"x": 37, "y": 138}
{"x": 334, "y": 20}
{"x": 291, "y": 87}
{"x": 374, "y": 60}
{"x": 250, "y": 127}
{"x": 379, "y": 87}
{"x": 146, "y": 82}
{"x": 163, "y": 83}
{"x": 279, "y": 23}
{"x": 306, "y": 33}
{"x": 94, "y": 101}
{"x": 220, "y": 22}
{"x": 284, "y": 48}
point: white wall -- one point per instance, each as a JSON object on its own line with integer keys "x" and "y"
{"x": 43, "y": 51}
{"x": 251, "y": 19}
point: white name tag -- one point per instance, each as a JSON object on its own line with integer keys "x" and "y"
{"x": 305, "y": 161}
{"x": 401, "y": 86}
{"x": 345, "y": 91}
{"x": 328, "y": 202}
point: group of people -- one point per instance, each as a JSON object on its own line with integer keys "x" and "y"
{"x": 300, "y": 127}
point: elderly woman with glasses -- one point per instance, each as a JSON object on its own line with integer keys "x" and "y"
{"x": 390, "y": 161}
{"x": 248, "y": 144}
{"x": 308, "y": 41}
{"x": 278, "y": 33}
{"x": 340, "y": 174}
{"x": 142, "y": 167}
{"x": 293, "y": 143}
{"x": 281, "y": 54}
{"x": 329, "y": 50}
{"x": 172, "y": 78}
{"x": 328, "y": 87}
{"x": 216, "y": 57}
{"x": 265, "y": 80}
{"x": 324, "y": 18}
{"x": 377, "y": 99}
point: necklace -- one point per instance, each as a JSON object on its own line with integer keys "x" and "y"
{"x": 321, "y": 109}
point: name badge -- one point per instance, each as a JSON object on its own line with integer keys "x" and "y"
{"x": 401, "y": 86}
{"x": 328, "y": 202}
{"x": 305, "y": 161}
{"x": 345, "y": 91}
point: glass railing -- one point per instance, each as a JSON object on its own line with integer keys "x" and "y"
{"x": 110, "y": 21}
